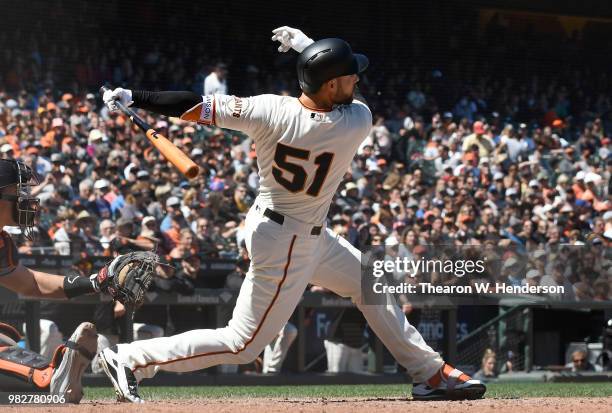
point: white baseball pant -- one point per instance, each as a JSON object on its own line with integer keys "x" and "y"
{"x": 342, "y": 358}
{"x": 50, "y": 337}
{"x": 276, "y": 351}
{"x": 284, "y": 260}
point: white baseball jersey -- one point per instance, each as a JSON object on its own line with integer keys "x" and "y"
{"x": 302, "y": 153}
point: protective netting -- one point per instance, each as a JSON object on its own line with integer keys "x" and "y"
{"x": 506, "y": 335}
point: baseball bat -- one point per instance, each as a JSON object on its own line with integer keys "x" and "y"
{"x": 170, "y": 151}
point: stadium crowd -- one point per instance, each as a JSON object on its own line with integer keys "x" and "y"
{"x": 524, "y": 165}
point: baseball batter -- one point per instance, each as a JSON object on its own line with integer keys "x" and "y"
{"x": 304, "y": 146}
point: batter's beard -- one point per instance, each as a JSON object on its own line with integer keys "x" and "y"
{"x": 344, "y": 101}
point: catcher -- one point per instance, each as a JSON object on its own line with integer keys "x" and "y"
{"x": 126, "y": 278}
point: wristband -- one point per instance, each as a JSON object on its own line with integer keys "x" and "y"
{"x": 75, "y": 285}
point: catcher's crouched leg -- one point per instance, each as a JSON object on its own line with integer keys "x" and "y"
{"x": 25, "y": 371}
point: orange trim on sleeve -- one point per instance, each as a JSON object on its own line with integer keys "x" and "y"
{"x": 193, "y": 114}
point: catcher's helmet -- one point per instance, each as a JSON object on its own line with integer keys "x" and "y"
{"x": 326, "y": 59}
{"x": 25, "y": 206}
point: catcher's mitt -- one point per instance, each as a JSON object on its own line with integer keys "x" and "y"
{"x": 128, "y": 277}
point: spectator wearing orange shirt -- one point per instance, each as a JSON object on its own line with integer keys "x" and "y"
{"x": 185, "y": 246}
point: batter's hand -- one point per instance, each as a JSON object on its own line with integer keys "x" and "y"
{"x": 291, "y": 38}
{"x": 122, "y": 95}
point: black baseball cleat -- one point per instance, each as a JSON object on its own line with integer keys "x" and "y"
{"x": 449, "y": 383}
{"x": 120, "y": 375}
{"x": 76, "y": 354}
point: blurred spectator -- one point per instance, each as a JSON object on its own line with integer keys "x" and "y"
{"x": 100, "y": 205}
{"x": 86, "y": 225}
{"x": 150, "y": 237}
{"x": 458, "y": 155}
{"x": 173, "y": 211}
{"x": 488, "y": 367}
{"x": 107, "y": 232}
{"x": 206, "y": 245}
{"x": 557, "y": 278}
{"x": 65, "y": 234}
{"x": 216, "y": 81}
{"x": 580, "y": 362}
{"x": 124, "y": 242}
{"x": 185, "y": 246}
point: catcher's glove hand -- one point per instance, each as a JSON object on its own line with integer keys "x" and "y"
{"x": 128, "y": 277}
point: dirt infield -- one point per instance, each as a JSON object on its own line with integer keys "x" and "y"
{"x": 342, "y": 405}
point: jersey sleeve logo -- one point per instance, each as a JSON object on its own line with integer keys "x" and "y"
{"x": 207, "y": 114}
{"x": 237, "y": 107}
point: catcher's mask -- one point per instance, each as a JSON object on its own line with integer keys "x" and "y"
{"x": 25, "y": 206}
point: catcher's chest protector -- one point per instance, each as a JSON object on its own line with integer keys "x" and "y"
{"x": 25, "y": 371}
{"x": 8, "y": 254}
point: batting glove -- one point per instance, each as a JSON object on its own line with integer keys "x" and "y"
{"x": 122, "y": 95}
{"x": 291, "y": 38}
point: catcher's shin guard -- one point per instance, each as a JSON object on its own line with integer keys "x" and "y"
{"x": 25, "y": 371}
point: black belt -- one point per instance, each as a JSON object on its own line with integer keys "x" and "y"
{"x": 280, "y": 220}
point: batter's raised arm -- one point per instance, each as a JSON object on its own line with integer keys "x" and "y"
{"x": 291, "y": 38}
{"x": 231, "y": 112}
{"x": 169, "y": 103}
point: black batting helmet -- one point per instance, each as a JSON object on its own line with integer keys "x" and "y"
{"x": 326, "y": 59}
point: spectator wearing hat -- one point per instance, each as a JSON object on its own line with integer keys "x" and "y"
{"x": 86, "y": 224}
{"x": 591, "y": 193}
{"x": 100, "y": 206}
{"x": 64, "y": 238}
{"x": 533, "y": 277}
{"x": 579, "y": 186}
{"x": 124, "y": 242}
{"x": 150, "y": 237}
{"x": 480, "y": 140}
{"x": 173, "y": 209}
{"x": 562, "y": 186}
{"x": 349, "y": 197}
{"x": 7, "y": 151}
{"x": 511, "y": 271}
